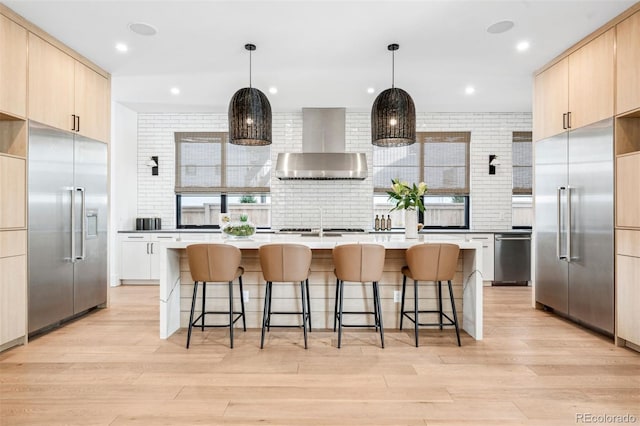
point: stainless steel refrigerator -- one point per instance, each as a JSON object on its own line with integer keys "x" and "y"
{"x": 67, "y": 225}
{"x": 574, "y": 225}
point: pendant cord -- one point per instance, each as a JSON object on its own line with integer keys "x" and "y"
{"x": 249, "y": 68}
{"x": 393, "y": 68}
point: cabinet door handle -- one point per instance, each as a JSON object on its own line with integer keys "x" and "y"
{"x": 135, "y": 237}
{"x": 564, "y": 120}
{"x": 568, "y": 120}
{"x": 78, "y": 126}
{"x": 74, "y": 122}
{"x": 151, "y": 248}
{"x": 147, "y": 248}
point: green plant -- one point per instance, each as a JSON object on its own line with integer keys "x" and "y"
{"x": 248, "y": 199}
{"x": 407, "y": 197}
{"x": 243, "y": 230}
{"x": 244, "y": 218}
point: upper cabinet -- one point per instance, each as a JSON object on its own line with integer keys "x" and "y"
{"x": 13, "y": 68}
{"x": 628, "y": 64}
{"x": 551, "y": 100}
{"x": 66, "y": 94}
{"x": 577, "y": 90}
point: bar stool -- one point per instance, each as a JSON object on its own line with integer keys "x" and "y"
{"x": 358, "y": 263}
{"x": 430, "y": 262}
{"x": 285, "y": 263}
{"x": 215, "y": 263}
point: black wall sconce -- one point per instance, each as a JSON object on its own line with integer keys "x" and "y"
{"x": 153, "y": 163}
{"x": 493, "y": 162}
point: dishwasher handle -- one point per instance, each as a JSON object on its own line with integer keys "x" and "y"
{"x": 513, "y": 238}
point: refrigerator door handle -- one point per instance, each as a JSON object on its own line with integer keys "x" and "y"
{"x": 72, "y": 257}
{"x": 568, "y": 257}
{"x": 83, "y": 223}
{"x": 559, "y": 222}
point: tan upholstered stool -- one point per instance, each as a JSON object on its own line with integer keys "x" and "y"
{"x": 430, "y": 262}
{"x": 358, "y": 263}
{"x": 285, "y": 263}
{"x": 215, "y": 263}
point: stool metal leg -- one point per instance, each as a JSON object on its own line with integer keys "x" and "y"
{"x": 304, "y": 312}
{"x": 335, "y": 307}
{"x": 375, "y": 306}
{"x": 308, "y": 303}
{"x": 269, "y": 314}
{"x": 231, "y": 313}
{"x": 439, "y": 288}
{"x": 244, "y": 321}
{"x": 455, "y": 315}
{"x": 265, "y": 313}
{"x": 204, "y": 298}
{"x": 340, "y": 313}
{"x": 193, "y": 308}
{"x": 404, "y": 288}
{"x": 415, "y": 309}
{"x": 378, "y": 309}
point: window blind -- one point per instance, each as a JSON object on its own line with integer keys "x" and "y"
{"x": 440, "y": 159}
{"x": 207, "y": 163}
{"x": 522, "y": 150}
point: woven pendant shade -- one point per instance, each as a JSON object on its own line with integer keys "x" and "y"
{"x": 249, "y": 114}
{"x": 393, "y": 119}
{"x": 393, "y": 114}
{"x": 249, "y": 118}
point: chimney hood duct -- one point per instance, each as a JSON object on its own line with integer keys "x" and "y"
{"x": 323, "y": 145}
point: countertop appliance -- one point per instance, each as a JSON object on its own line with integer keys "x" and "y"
{"x": 574, "y": 225}
{"x": 67, "y": 225}
{"x": 512, "y": 260}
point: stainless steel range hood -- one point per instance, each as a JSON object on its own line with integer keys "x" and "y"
{"x": 323, "y": 145}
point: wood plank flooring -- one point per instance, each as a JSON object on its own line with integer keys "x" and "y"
{"x": 110, "y": 368}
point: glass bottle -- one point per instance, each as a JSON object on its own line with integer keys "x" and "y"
{"x": 388, "y": 222}
{"x": 377, "y": 223}
{"x": 383, "y": 223}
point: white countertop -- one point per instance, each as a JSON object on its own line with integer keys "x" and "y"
{"x": 389, "y": 241}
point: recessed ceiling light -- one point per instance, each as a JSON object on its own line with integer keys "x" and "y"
{"x": 500, "y": 27}
{"x": 522, "y": 46}
{"x": 175, "y": 91}
{"x": 370, "y": 90}
{"x": 121, "y": 47}
{"x": 469, "y": 90}
{"x": 142, "y": 28}
{"x": 273, "y": 90}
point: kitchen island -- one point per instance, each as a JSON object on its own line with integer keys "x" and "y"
{"x": 176, "y": 284}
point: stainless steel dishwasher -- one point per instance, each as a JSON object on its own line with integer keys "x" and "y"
{"x": 512, "y": 259}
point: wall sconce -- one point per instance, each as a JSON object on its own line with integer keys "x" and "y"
{"x": 153, "y": 163}
{"x": 493, "y": 162}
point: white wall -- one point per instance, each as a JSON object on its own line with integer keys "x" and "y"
{"x": 345, "y": 203}
{"x": 124, "y": 177}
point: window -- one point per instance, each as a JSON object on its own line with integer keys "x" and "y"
{"x": 214, "y": 176}
{"x": 441, "y": 159}
{"x": 522, "y": 205}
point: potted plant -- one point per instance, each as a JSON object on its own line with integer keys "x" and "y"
{"x": 408, "y": 198}
{"x": 241, "y": 229}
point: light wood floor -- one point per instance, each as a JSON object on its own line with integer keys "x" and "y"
{"x": 111, "y": 368}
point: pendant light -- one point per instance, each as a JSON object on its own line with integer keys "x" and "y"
{"x": 393, "y": 115}
{"x": 249, "y": 114}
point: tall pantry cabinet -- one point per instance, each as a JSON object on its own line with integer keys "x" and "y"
{"x": 42, "y": 80}
{"x": 627, "y": 180}
{"x": 594, "y": 80}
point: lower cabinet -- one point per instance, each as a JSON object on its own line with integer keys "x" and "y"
{"x": 140, "y": 255}
{"x": 628, "y": 285}
{"x": 488, "y": 254}
{"x": 13, "y": 287}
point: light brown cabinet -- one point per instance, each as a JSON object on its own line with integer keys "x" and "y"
{"x": 628, "y": 190}
{"x": 13, "y": 68}
{"x": 66, "y": 94}
{"x": 576, "y": 91}
{"x": 628, "y": 64}
{"x": 628, "y": 285}
{"x": 13, "y": 286}
{"x": 13, "y": 192}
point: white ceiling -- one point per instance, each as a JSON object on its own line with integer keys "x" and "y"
{"x": 321, "y": 53}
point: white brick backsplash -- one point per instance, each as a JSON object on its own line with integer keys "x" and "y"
{"x": 344, "y": 203}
